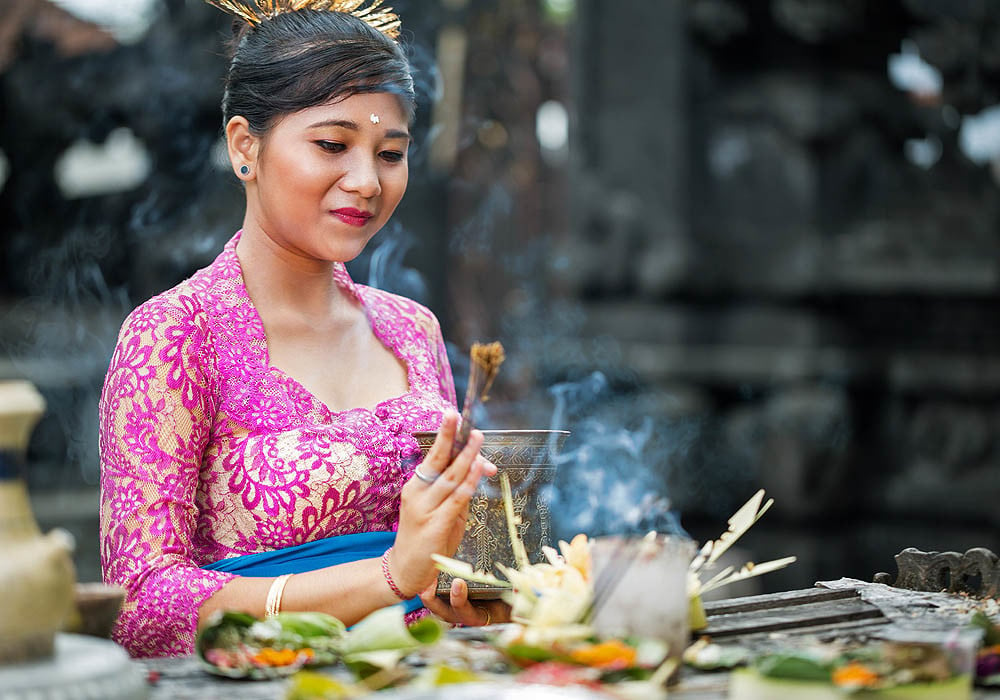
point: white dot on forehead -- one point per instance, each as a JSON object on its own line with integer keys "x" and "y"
{"x": 374, "y": 118}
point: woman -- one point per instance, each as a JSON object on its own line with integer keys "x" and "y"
{"x": 256, "y": 419}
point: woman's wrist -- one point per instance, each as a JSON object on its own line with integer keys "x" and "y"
{"x": 390, "y": 572}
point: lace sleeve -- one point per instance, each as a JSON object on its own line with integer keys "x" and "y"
{"x": 155, "y": 415}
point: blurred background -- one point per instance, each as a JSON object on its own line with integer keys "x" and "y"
{"x": 730, "y": 244}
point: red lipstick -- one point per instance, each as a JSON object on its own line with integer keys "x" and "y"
{"x": 354, "y": 217}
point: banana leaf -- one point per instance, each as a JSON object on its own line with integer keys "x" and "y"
{"x": 387, "y": 629}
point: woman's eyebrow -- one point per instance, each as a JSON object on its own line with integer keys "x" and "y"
{"x": 353, "y": 126}
{"x": 343, "y": 123}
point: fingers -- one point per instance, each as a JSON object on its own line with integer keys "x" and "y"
{"x": 437, "y": 606}
{"x": 488, "y": 468}
{"x": 467, "y": 613}
{"x": 458, "y": 482}
{"x": 460, "y": 605}
{"x": 438, "y": 461}
{"x": 467, "y": 487}
{"x": 459, "y": 610}
{"x": 438, "y": 456}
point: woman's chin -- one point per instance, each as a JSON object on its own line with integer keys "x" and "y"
{"x": 346, "y": 251}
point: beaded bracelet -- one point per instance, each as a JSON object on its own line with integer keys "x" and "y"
{"x": 388, "y": 576}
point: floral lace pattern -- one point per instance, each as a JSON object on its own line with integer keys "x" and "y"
{"x": 208, "y": 452}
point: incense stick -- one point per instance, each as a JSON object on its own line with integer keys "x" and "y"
{"x": 485, "y": 361}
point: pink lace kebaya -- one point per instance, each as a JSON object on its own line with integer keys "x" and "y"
{"x": 208, "y": 452}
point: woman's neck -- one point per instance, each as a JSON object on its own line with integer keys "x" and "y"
{"x": 280, "y": 281}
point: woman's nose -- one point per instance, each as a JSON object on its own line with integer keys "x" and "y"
{"x": 361, "y": 177}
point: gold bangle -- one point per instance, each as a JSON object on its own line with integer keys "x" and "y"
{"x": 489, "y": 617}
{"x": 273, "y": 606}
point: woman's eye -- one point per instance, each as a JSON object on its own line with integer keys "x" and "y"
{"x": 330, "y": 146}
{"x": 393, "y": 156}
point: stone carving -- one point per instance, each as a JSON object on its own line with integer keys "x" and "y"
{"x": 976, "y": 572}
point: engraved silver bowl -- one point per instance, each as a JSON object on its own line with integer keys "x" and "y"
{"x": 527, "y": 457}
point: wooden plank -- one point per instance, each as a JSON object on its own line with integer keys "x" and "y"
{"x": 762, "y": 642}
{"x": 791, "y": 617}
{"x": 777, "y": 600}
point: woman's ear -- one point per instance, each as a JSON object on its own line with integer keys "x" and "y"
{"x": 243, "y": 147}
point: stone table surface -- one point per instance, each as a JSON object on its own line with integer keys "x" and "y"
{"x": 846, "y": 610}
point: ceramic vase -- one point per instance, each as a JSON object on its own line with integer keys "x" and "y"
{"x": 36, "y": 571}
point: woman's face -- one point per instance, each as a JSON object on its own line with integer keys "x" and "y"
{"x": 326, "y": 179}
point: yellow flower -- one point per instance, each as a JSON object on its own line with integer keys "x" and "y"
{"x": 577, "y": 554}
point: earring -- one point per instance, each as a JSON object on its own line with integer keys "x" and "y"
{"x": 244, "y": 170}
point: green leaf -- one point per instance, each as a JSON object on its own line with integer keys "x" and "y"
{"x": 794, "y": 667}
{"x": 224, "y": 630}
{"x": 696, "y": 613}
{"x": 426, "y": 630}
{"x": 311, "y": 624}
{"x": 386, "y": 629}
{"x": 991, "y": 633}
{"x": 368, "y": 663}
{"x": 233, "y": 618}
{"x": 527, "y": 652}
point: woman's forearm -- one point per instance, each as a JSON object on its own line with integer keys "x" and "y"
{"x": 349, "y": 592}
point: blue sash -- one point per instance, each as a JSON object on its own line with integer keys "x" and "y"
{"x": 313, "y": 555}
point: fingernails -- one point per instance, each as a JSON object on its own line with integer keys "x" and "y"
{"x": 456, "y": 586}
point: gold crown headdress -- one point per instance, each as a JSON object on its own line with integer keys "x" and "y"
{"x": 256, "y": 11}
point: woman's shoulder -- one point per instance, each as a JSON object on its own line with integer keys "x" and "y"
{"x": 381, "y": 302}
{"x": 182, "y": 303}
{"x": 186, "y": 302}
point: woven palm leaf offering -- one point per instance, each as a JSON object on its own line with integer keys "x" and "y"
{"x": 239, "y": 645}
{"x": 587, "y": 607}
{"x": 904, "y": 665}
{"x": 702, "y": 565}
{"x": 554, "y": 604}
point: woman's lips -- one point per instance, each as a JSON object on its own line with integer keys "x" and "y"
{"x": 354, "y": 217}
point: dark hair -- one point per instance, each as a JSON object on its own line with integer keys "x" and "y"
{"x": 306, "y": 58}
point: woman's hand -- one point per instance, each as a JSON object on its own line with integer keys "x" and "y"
{"x": 461, "y": 611}
{"x": 432, "y": 514}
